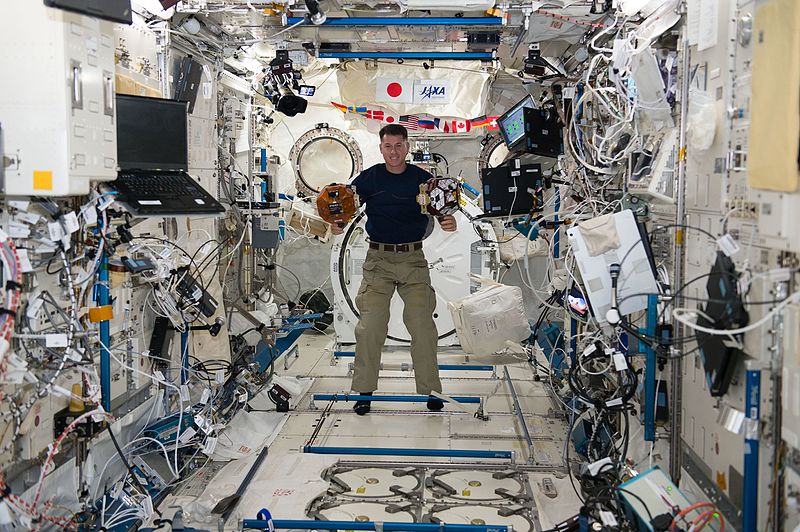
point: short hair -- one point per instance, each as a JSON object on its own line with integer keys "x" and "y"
{"x": 393, "y": 129}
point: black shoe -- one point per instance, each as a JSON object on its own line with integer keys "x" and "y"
{"x": 362, "y": 407}
{"x": 435, "y": 404}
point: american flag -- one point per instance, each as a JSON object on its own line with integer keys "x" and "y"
{"x": 409, "y": 121}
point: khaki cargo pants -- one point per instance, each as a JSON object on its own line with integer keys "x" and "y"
{"x": 407, "y": 272}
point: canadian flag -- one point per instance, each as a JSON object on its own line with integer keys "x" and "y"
{"x": 394, "y": 90}
{"x": 448, "y": 125}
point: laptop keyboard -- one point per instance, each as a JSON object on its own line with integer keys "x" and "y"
{"x": 156, "y": 185}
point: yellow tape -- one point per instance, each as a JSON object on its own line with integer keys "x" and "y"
{"x": 42, "y": 180}
{"x": 98, "y": 314}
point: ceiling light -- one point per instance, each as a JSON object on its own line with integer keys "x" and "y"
{"x": 191, "y": 25}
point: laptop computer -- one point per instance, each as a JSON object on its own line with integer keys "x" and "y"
{"x": 622, "y": 241}
{"x": 153, "y": 156}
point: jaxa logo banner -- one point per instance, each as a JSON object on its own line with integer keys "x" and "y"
{"x": 431, "y": 91}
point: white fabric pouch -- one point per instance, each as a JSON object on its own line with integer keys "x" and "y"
{"x": 486, "y": 319}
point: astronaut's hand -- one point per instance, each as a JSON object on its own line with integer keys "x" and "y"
{"x": 447, "y": 223}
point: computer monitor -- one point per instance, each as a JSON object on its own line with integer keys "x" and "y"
{"x": 151, "y": 134}
{"x": 511, "y": 188}
{"x": 512, "y": 123}
{"x": 543, "y": 132}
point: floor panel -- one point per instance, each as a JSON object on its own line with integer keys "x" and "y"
{"x": 290, "y": 480}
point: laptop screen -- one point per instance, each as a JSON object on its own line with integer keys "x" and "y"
{"x": 512, "y": 123}
{"x": 151, "y": 134}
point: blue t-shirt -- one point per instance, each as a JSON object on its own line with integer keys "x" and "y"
{"x": 393, "y": 214}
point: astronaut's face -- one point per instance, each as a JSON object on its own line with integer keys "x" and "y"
{"x": 394, "y": 149}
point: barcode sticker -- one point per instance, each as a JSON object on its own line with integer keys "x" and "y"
{"x": 55, "y": 231}
{"x": 619, "y": 362}
{"x": 24, "y": 262}
{"x": 55, "y": 340}
{"x": 728, "y": 245}
{"x": 19, "y": 205}
{"x": 71, "y": 222}
{"x": 90, "y": 215}
{"x": 211, "y": 444}
{"x": 187, "y": 435}
{"x": 18, "y": 230}
{"x": 27, "y": 217}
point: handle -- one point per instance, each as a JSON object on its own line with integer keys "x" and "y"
{"x": 348, "y": 267}
{"x": 77, "y": 85}
{"x": 108, "y": 93}
{"x": 483, "y": 280}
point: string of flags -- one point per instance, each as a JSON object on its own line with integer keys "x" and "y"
{"x": 422, "y": 121}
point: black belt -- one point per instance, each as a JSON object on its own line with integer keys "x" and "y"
{"x": 397, "y": 248}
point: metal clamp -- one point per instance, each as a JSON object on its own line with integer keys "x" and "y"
{"x": 480, "y": 413}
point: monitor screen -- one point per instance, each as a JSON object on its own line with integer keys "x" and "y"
{"x": 151, "y": 134}
{"x": 307, "y": 90}
{"x": 512, "y": 123}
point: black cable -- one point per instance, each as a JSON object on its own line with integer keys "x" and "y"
{"x": 675, "y": 295}
{"x": 487, "y": 241}
{"x": 683, "y": 226}
{"x": 210, "y": 253}
{"x": 644, "y": 505}
{"x": 446, "y": 163}
{"x": 296, "y": 278}
{"x": 198, "y": 277}
{"x": 566, "y": 458}
{"x": 176, "y": 246}
{"x": 47, "y": 268}
{"x": 655, "y": 230}
{"x": 626, "y": 436}
{"x": 710, "y": 299}
{"x": 211, "y": 365}
{"x": 128, "y": 466}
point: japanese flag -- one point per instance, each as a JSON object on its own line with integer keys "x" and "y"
{"x": 384, "y": 116}
{"x": 394, "y": 90}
